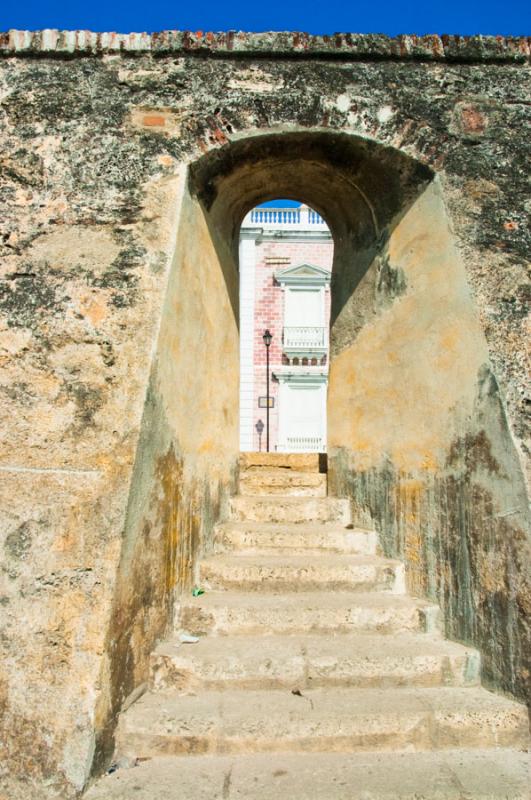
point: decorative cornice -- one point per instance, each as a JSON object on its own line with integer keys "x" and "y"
{"x": 343, "y": 46}
{"x": 304, "y": 375}
{"x": 295, "y": 235}
{"x": 250, "y": 233}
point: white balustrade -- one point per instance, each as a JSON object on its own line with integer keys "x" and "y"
{"x": 314, "y": 218}
{"x": 302, "y": 218}
{"x": 302, "y": 444}
{"x": 276, "y": 216}
{"x": 304, "y": 338}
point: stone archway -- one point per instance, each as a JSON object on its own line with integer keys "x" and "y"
{"x": 417, "y": 429}
{"x": 361, "y": 188}
{"x": 187, "y": 453}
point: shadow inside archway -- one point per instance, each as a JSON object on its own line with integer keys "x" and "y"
{"x": 361, "y": 188}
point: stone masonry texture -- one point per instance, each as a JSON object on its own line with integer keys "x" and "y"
{"x": 127, "y": 164}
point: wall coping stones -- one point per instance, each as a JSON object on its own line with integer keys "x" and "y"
{"x": 343, "y": 46}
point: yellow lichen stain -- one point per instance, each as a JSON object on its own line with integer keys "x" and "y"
{"x": 409, "y": 499}
{"x": 450, "y": 345}
{"x": 413, "y": 551}
{"x": 208, "y": 446}
{"x": 428, "y": 462}
{"x": 492, "y": 572}
{"x": 179, "y": 515}
{"x": 411, "y": 488}
{"x": 169, "y": 473}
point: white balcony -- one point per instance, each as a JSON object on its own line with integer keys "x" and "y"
{"x": 302, "y": 444}
{"x": 298, "y": 219}
{"x": 305, "y": 340}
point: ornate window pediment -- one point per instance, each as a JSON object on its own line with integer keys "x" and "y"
{"x": 303, "y": 275}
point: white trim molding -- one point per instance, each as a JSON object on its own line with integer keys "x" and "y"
{"x": 304, "y": 375}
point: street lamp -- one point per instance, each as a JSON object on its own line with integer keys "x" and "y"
{"x": 267, "y": 341}
{"x": 259, "y": 429}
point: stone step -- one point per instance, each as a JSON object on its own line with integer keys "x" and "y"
{"x": 252, "y": 508}
{"x": 298, "y": 462}
{"x": 331, "y": 719}
{"x": 311, "y": 661}
{"x": 299, "y": 573}
{"x": 308, "y": 538}
{"x": 244, "y": 613}
{"x": 501, "y": 774}
{"x": 282, "y": 482}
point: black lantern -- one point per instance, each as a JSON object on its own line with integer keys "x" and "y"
{"x": 267, "y": 341}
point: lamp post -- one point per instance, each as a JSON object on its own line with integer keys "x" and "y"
{"x": 267, "y": 341}
{"x": 259, "y": 429}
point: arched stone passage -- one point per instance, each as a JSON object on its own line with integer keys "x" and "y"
{"x": 417, "y": 432}
{"x": 360, "y": 188}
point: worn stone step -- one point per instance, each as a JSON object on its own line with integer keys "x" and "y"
{"x": 282, "y": 482}
{"x": 310, "y": 661}
{"x": 298, "y": 462}
{"x": 243, "y": 613}
{"x": 299, "y": 573}
{"x": 290, "y": 537}
{"x": 289, "y": 509}
{"x": 331, "y": 719}
{"x": 501, "y": 774}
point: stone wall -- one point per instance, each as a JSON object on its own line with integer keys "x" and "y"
{"x": 118, "y": 354}
{"x": 419, "y": 440}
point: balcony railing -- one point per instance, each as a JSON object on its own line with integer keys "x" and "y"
{"x": 276, "y": 216}
{"x": 302, "y": 218}
{"x": 304, "y": 338}
{"x": 302, "y": 444}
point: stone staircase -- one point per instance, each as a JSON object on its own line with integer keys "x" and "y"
{"x": 315, "y": 676}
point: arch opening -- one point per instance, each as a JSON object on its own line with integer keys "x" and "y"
{"x": 285, "y": 264}
{"x": 360, "y": 191}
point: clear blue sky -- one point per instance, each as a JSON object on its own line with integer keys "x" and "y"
{"x": 321, "y": 16}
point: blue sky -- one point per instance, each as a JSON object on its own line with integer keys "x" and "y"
{"x": 323, "y": 16}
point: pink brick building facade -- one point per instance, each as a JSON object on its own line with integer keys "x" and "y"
{"x": 285, "y": 266}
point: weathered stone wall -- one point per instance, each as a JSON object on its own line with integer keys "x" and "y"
{"x": 419, "y": 440}
{"x": 120, "y": 433}
{"x": 185, "y": 462}
{"x": 119, "y": 336}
